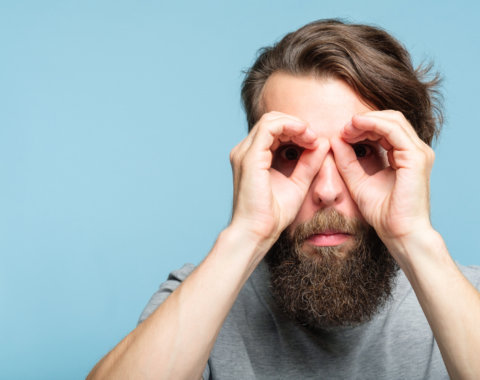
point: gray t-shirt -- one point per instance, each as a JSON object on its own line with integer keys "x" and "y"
{"x": 258, "y": 342}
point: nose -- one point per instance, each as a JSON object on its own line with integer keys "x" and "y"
{"x": 328, "y": 188}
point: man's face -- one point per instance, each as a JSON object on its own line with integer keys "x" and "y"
{"x": 327, "y": 105}
{"x": 329, "y": 267}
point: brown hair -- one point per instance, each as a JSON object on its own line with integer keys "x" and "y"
{"x": 371, "y": 61}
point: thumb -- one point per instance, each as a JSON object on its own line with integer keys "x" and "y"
{"x": 348, "y": 165}
{"x": 309, "y": 164}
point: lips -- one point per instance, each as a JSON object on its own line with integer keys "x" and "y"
{"x": 328, "y": 238}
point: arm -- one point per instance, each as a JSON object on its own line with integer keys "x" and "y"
{"x": 450, "y": 302}
{"x": 395, "y": 201}
{"x": 176, "y": 340}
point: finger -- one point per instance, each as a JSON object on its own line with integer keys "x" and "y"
{"x": 391, "y": 159}
{"x": 309, "y": 164}
{"x": 385, "y": 144}
{"x": 237, "y": 155}
{"x": 347, "y": 163}
{"x": 276, "y": 118}
{"x": 400, "y": 122}
{"x": 270, "y": 116}
{"x": 273, "y": 116}
{"x": 273, "y": 132}
{"x": 355, "y": 134}
{"x": 398, "y": 117}
{"x": 241, "y": 148}
{"x": 270, "y": 124}
{"x": 386, "y": 129}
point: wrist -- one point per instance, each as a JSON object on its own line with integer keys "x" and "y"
{"x": 246, "y": 243}
{"x": 424, "y": 246}
{"x": 262, "y": 233}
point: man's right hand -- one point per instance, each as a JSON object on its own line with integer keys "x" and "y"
{"x": 179, "y": 335}
{"x": 266, "y": 201}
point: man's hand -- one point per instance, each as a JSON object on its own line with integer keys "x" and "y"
{"x": 395, "y": 200}
{"x": 266, "y": 201}
{"x": 180, "y": 334}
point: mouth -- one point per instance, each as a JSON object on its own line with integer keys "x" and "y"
{"x": 328, "y": 238}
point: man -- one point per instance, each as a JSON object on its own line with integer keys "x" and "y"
{"x": 331, "y": 198}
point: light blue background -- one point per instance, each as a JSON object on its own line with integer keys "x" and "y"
{"x": 116, "y": 120}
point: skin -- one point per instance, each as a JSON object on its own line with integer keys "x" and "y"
{"x": 388, "y": 188}
{"x": 327, "y": 106}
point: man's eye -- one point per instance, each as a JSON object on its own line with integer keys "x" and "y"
{"x": 362, "y": 150}
{"x": 290, "y": 152}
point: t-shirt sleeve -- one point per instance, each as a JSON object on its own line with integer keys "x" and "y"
{"x": 173, "y": 281}
{"x": 472, "y": 273}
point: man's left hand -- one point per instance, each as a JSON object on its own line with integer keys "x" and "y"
{"x": 394, "y": 200}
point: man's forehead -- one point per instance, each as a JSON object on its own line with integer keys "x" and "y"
{"x": 324, "y": 102}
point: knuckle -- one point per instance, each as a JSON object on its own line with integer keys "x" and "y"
{"x": 430, "y": 154}
{"x": 269, "y": 116}
{"x": 236, "y": 156}
{"x": 233, "y": 155}
{"x": 264, "y": 122}
{"x": 398, "y": 116}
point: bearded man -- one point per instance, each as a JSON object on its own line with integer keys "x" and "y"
{"x": 330, "y": 267}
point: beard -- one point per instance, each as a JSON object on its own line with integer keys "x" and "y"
{"x": 333, "y": 286}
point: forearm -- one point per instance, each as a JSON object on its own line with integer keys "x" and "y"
{"x": 449, "y": 301}
{"x": 176, "y": 340}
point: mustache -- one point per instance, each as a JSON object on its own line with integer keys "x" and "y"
{"x": 329, "y": 220}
